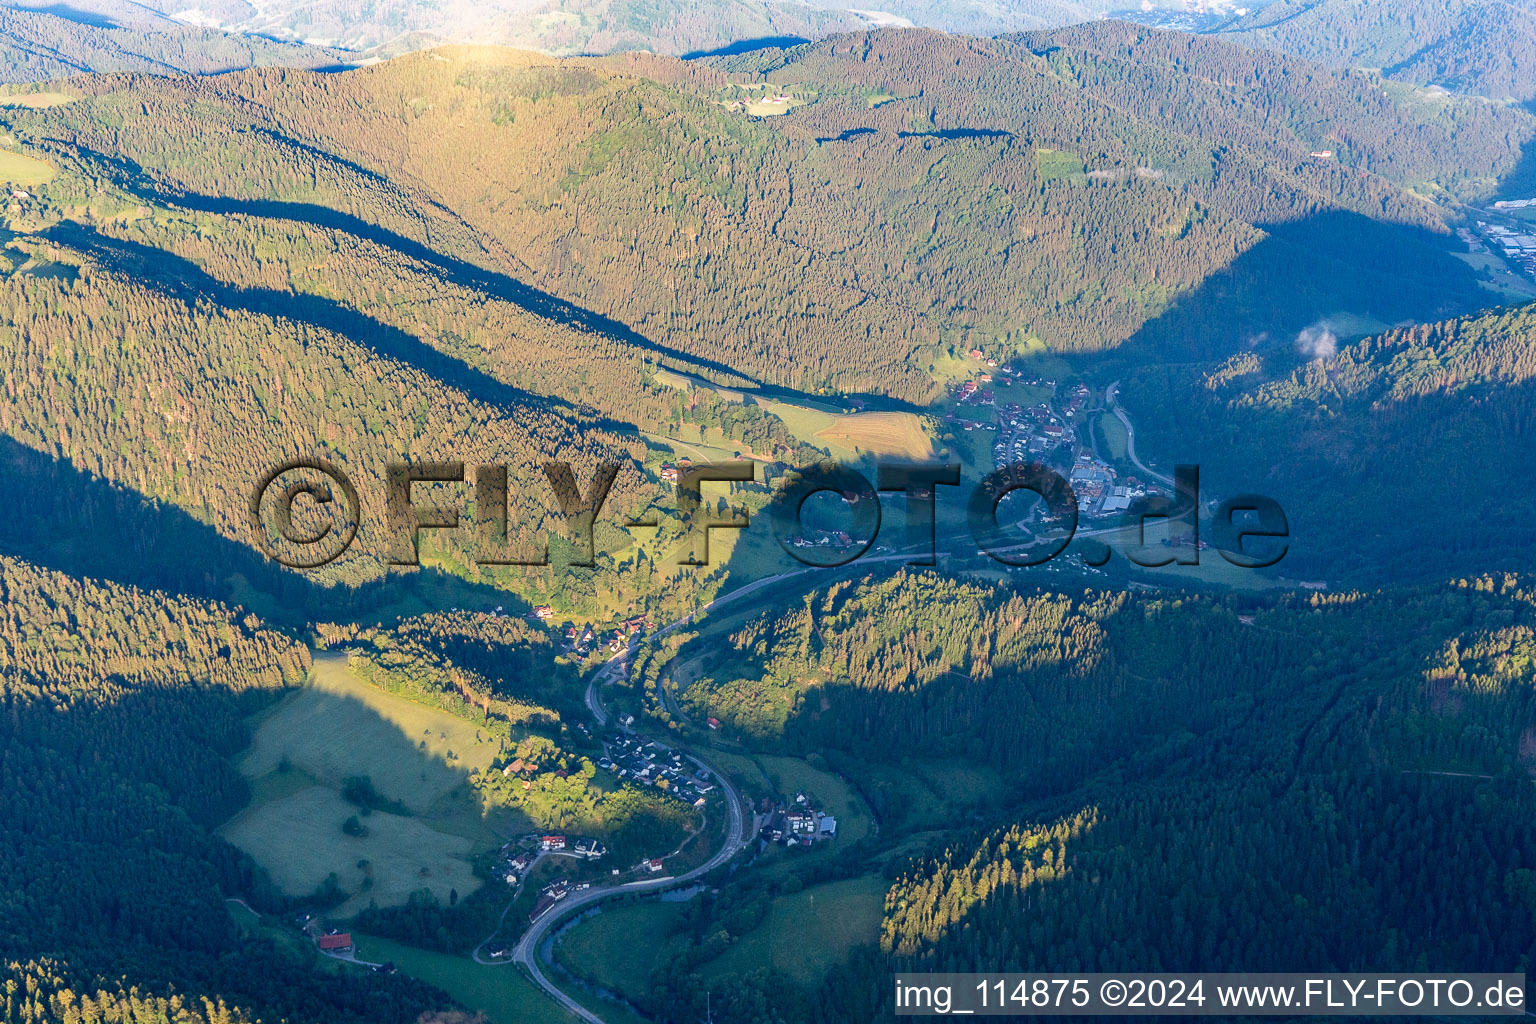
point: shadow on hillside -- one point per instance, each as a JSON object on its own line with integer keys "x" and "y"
{"x": 1379, "y": 488}
{"x": 153, "y": 761}
{"x": 1304, "y": 271}
{"x": 66, "y": 12}
{"x": 1520, "y": 182}
{"x": 412, "y": 809}
{"x": 64, "y": 519}
{"x": 741, "y": 46}
{"x": 459, "y": 272}
{"x": 184, "y": 280}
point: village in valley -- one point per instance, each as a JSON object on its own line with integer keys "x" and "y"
{"x": 582, "y": 640}
{"x": 1053, "y": 429}
{"x": 633, "y": 758}
{"x": 1504, "y": 238}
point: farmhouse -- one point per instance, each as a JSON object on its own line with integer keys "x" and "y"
{"x": 551, "y": 843}
{"x": 335, "y": 944}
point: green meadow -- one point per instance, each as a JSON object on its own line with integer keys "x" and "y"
{"x": 338, "y": 727}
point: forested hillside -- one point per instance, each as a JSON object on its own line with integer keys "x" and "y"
{"x": 1225, "y": 783}
{"x": 136, "y": 381}
{"x": 1484, "y": 47}
{"x": 492, "y": 256}
{"x": 40, "y": 45}
{"x": 121, "y": 709}
{"x": 1396, "y": 455}
{"x": 1286, "y": 845}
{"x": 673, "y": 27}
{"x": 999, "y": 191}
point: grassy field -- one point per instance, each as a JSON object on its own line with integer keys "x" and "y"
{"x": 335, "y": 727}
{"x": 501, "y": 993}
{"x": 1212, "y": 568}
{"x": 768, "y": 108}
{"x": 1509, "y": 285}
{"x": 1052, "y": 164}
{"x": 36, "y": 100}
{"x": 23, "y": 170}
{"x": 933, "y": 792}
{"x": 246, "y": 919}
{"x": 1115, "y": 436}
{"x": 1353, "y": 325}
{"x": 604, "y": 948}
{"x": 809, "y": 932}
{"x": 846, "y": 435}
{"x": 880, "y": 433}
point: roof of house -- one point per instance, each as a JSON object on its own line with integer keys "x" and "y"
{"x": 341, "y": 941}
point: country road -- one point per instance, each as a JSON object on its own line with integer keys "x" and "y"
{"x": 1130, "y": 434}
{"x": 740, "y": 830}
{"x": 742, "y": 826}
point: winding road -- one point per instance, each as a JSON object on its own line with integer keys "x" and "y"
{"x": 742, "y": 826}
{"x": 1110, "y": 400}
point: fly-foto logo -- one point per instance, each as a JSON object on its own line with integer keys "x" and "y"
{"x": 1249, "y": 530}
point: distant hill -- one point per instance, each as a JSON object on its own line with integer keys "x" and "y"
{"x": 1482, "y": 47}
{"x": 40, "y": 43}
{"x": 672, "y": 27}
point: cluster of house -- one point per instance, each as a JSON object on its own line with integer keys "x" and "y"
{"x": 973, "y": 392}
{"x": 1024, "y": 434}
{"x": 798, "y": 823}
{"x": 581, "y": 639}
{"x": 641, "y": 760}
{"x": 1517, "y": 246}
{"x": 1076, "y": 399}
{"x": 553, "y": 893}
{"x": 518, "y": 856}
{"x": 813, "y": 538}
{"x": 671, "y": 472}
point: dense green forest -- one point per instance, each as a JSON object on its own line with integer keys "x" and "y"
{"x": 487, "y": 256}
{"x": 1398, "y": 455}
{"x": 186, "y": 400}
{"x": 844, "y": 245}
{"x": 1233, "y": 784}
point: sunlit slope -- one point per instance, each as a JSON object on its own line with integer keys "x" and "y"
{"x": 188, "y": 400}
{"x": 923, "y": 192}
